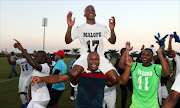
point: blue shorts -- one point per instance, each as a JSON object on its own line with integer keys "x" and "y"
{"x": 54, "y": 95}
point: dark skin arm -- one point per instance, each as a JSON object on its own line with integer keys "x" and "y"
{"x": 165, "y": 67}
{"x": 123, "y": 57}
{"x": 170, "y": 47}
{"x": 172, "y": 100}
{"x": 112, "y": 39}
{"x": 30, "y": 60}
{"x": 125, "y": 76}
{"x": 70, "y": 23}
{"x": 50, "y": 79}
{"x": 8, "y": 57}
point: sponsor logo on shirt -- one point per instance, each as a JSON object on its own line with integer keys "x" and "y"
{"x": 143, "y": 73}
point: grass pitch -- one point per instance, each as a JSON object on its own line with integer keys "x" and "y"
{"x": 9, "y": 88}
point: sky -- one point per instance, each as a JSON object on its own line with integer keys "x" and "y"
{"x": 137, "y": 21}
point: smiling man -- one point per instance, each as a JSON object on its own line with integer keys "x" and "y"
{"x": 91, "y": 36}
{"x": 145, "y": 77}
{"x": 91, "y": 82}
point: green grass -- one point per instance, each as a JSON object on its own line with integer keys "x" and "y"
{"x": 9, "y": 89}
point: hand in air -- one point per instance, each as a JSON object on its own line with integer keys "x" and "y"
{"x": 176, "y": 37}
{"x": 128, "y": 46}
{"x": 5, "y": 52}
{"x": 35, "y": 80}
{"x": 18, "y": 45}
{"x": 129, "y": 60}
{"x": 70, "y": 22}
{"x": 112, "y": 23}
{"x": 160, "y": 41}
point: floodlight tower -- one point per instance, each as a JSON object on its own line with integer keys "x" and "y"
{"x": 44, "y": 24}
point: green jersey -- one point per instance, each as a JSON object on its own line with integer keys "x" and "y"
{"x": 145, "y": 85}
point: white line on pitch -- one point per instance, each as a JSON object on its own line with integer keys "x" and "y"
{"x": 8, "y": 80}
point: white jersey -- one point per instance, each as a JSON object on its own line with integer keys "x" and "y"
{"x": 91, "y": 37}
{"x": 176, "y": 85}
{"x": 177, "y": 60}
{"x": 26, "y": 68}
{"x": 39, "y": 91}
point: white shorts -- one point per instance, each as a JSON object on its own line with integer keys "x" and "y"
{"x": 38, "y": 104}
{"x": 24, "y": 83}
{"x": 109, "y": 97}
{"x": 105, "y": 64}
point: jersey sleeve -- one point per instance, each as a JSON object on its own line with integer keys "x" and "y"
{"x": 45, "y": 68}
{"x": 133, "y": 66}
{"x": 176, "y": 85}
{"x": 18, "y": 61}
{"x": 75, "y": 33}
{"x": 107, "y": 33}
{"x": 158, "y": 69}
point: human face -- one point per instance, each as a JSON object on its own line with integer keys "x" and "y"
{"x": 48, "y": 59}
{"x": 57, "y": 57}
{"x": 38, "y": 58}
{"x": 93, "y": 61}
{"x": 146, "y": 57}
{"x": 90, "y": 13}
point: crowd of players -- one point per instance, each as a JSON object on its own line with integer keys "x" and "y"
{"x": 93, "y": 74}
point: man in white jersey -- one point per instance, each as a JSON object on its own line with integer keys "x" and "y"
{"x": 91, "y": 36}
{"x": 24, "y": 80}
{"x": 39, "y": 93}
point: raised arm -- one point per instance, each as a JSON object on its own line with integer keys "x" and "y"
{"x": 30, "y": 60}
{"x": 123, "y": 57}
{"x": 70, "y": 23}
{"x": 171, "y": 100}
{"x": 50, "y": 79}
{"x": 170, "y": 47}
{"x": 125, "y": 76}
{"x": 165, "y": 67}
{"x": 8, "y": 57}
{"x": 112, "y": 39}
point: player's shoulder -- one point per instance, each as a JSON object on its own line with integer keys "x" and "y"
{"x": 81, "y": 26}
{"x": 100, "y": 25}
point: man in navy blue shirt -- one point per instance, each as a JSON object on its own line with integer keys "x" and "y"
{"x": 91, "y": 82}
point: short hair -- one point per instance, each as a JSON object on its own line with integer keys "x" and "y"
{"x": 86, "y": 8}
{"x": 148, "y": 49}
{"x": 122, "y": 50}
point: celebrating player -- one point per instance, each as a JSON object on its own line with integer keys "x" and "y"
{"x": 145, "y": 77}
{"x": 91, "y": 35}
{"x": 40, "y": 93}
{"x": 91, "y": 82}
{"x": 24, "y": 80}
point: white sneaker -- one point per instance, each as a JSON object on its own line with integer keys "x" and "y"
{"x": 72, "y": 98}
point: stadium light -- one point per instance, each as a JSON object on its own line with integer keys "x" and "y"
{"x": 44, "y": 24}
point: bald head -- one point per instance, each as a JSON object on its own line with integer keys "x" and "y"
{"x": 93, "y": 61}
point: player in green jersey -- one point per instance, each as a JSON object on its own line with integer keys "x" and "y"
{"x": 145, "y": 77}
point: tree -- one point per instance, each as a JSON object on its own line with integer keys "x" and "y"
{"x": 75, "y": 51}
{"x": 66, "y": 50}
